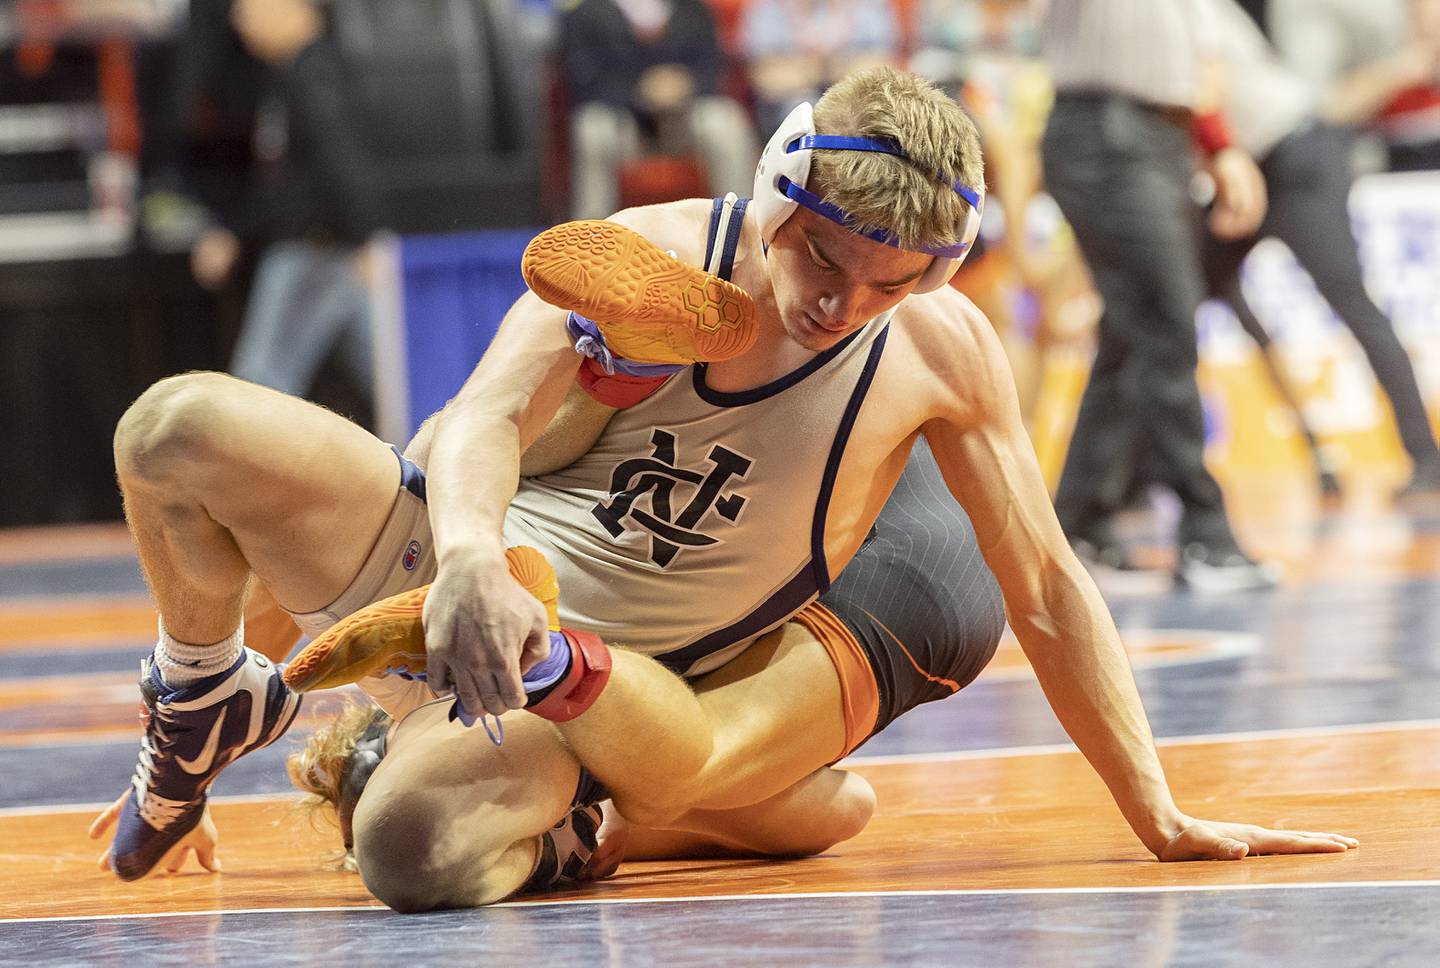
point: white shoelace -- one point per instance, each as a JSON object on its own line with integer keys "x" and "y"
{"x": 159, "y": 812}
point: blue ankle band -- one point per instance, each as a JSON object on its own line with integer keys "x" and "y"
{"x": 552, "y": 668}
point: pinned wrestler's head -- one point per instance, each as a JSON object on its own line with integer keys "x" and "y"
{"x": 335, "y": 765}
{"x": 873, "y": 194}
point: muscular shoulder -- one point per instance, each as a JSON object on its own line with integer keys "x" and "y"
{"x": 680, "y": 226}
{"x": 956, "y": 352}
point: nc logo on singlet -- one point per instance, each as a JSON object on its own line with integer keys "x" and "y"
{"x": 671, "y": 527}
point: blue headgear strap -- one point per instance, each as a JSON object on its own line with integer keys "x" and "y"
{"x": 837, "y": 214}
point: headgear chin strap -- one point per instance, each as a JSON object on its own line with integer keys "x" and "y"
{"x": 780, "y": 187}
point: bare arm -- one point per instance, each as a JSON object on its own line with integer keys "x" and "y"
{"x": 1317, "y": 43}
{"x": 481, "y": 628}
{"x": 1057, "y": 613}
{"x": 576, "y": 427}
{"x": 1358, "y": 96}
{"x": 1052, "y": 604}
{"x": 502, "y": 409}
{"x": 569, "y": 436}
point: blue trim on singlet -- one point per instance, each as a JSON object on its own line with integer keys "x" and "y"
{"x": 813, "y": 578}
{"x": 732, "y": 238}
{"x": 412, "y": 478}
{"x": 832, "y": 465}
{"x": 719, "y": 398}
{"x": 716, "y": 208}
{"x": 791, "y": 597}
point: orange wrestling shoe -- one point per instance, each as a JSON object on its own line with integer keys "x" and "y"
{"x": 389, "y": 636}
{"x": 650, "y": 306}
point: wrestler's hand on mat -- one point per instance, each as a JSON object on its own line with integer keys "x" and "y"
{"x": 1240, "y": 199}
{"x": 482, "y": 629}
{"x": 1211, "y": 840}
{"x": 611, "y": 838}
{"x": 202, "y": 841}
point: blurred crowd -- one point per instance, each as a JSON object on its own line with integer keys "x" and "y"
{"x": 267, "y": 141}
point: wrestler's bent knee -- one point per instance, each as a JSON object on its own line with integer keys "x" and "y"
{"x": 844, "y": 817}
{"x": 171, "y": 424}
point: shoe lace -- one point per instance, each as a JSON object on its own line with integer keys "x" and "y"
{"x": 158, "y": 811}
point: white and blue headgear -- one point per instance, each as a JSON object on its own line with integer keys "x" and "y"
{"x": 780, "y": 186}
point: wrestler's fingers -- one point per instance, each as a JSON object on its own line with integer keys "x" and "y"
{"x": 108, "y": 816}
{"x": 437, "y": 674}
{"x": 536, "y": 648}
{"x": 205, "y": 854}
{"x": 176, "y": 859}
{"x": 1337, "y": 838}
{"x": 492, "y": 696}
{"x": 105, "y": 860}
{"x": 471, "y": 696}
{"x": 509, "y": 689}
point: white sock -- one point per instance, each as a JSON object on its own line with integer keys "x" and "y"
{"x": 182, "y": 664}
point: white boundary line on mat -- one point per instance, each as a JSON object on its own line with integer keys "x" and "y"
{"x": 803, "y": 896}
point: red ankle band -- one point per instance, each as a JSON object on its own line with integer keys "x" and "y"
{"x": 577, "y": 692}
{"x": 616, "y": 389}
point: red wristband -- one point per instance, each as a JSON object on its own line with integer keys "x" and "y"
{"x": 1211, "y": 132}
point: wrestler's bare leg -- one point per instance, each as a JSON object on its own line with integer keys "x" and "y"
{"x": 224, "y": 479}
{"x": 754, "y": 727}
{"x": 450, "y": 820}
{"x": 825, "y": 808}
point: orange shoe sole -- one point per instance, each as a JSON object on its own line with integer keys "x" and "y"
{"x": 391, "y": 632}
{"x": 651, "y": 307}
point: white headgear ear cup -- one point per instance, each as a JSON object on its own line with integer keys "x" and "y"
{"x": 771, "y": 206}
{"x": 941, "y": 271}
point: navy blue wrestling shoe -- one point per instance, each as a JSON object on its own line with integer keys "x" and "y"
{"x": 191, "y": 734}
{"x": 566, "y": 849}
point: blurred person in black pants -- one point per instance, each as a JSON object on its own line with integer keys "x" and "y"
{"x": 1307, "y": 172}
{"x": 296, "y": 184}
{"x": 1131, "y": 88}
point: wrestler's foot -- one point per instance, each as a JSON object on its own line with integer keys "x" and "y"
{"x": 389, "y": 638}
{"x": 191, "y": 734}
{"x": 566, "y": 851}
{"x": 380, "y": 639}
{"x": 650, "y": 306}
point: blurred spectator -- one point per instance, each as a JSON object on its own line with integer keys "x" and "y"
{"x": 1027, "y": 275}
{"x": 1130, "y": 79}
{"x": 975, "y": 40}
{"x": 794, "y": 49}
{"x": 295, "y": 185}
{"x": 1374, "y": 63}
{"x": 653, "y": 65}
{"x": 1306, "y": 169}
{"x": 1032, "y": 284}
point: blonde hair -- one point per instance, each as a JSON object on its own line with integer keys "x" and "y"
{"x": 317, "y": 769}
{"x": 912, "y": 199}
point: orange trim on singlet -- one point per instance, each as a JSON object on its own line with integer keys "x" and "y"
{"x": 950, "y": 684}
{"x": 859, "y": 693}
